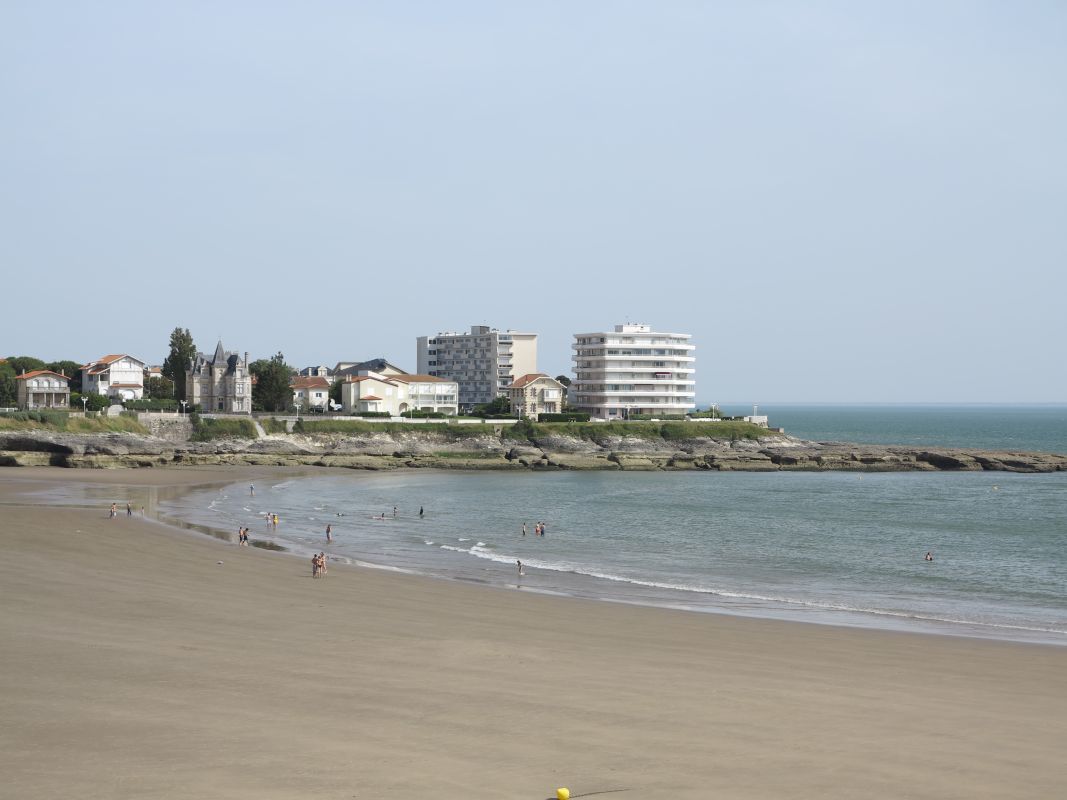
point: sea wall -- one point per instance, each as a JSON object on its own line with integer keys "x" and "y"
{"x": 494, "y": 450}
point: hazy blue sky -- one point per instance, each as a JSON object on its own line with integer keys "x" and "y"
{"x": 840, "y": 201}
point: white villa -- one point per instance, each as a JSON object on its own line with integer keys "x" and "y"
{"x": 120, "y": 377}
{"x": 535, "y": 394}
{"x": 397, "y": 394}
{"x": 42, "y": 388}
{"x": 633, "y": 370}
{"x": 310, "y": 393}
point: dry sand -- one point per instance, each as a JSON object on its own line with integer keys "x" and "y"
{"x": 133, "y": 665}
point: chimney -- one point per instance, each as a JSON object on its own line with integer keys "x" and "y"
{"x": 246, "y": 356}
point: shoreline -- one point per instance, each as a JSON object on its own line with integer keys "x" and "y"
{"x": 135, "y": 664}
{"x": 578, "y": 585}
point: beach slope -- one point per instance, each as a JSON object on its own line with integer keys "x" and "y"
{"x": 134, "y": 665}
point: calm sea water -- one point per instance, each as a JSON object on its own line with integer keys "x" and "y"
{"x": 835, "y": 548}
{"x": 1032, "y": 427}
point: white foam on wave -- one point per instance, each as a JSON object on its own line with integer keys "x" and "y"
{"x": 282, "y": 485}
{"x": 501, "y": 558}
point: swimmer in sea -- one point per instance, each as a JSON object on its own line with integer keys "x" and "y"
{"x": 928, "y": 557}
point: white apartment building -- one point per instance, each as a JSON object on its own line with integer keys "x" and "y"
{"x": 485, "y": 362}
{"x": 633, "y": 370}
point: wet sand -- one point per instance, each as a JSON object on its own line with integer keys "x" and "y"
{"x": 132, "y": 664}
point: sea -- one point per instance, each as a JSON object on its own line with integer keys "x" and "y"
{"x": 828, "y": 548}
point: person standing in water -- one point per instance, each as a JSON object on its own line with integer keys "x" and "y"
{"x": 329, "y": 533}
{"x": 420, "y": 512}
{"x": 524, "y": 529}
{"x": 521, "y": 573}
{"x": 252, "y": 489}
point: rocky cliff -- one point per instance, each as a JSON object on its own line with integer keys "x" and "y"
{"x": 493, "y": 450}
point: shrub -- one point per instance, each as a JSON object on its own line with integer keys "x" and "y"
{"x": 205, "y": 430}
{"x": 148, "y": 404}
{"x": 566, "y": 416}
{"x": 273, "y": 425}
{"x": 378, "y": 414}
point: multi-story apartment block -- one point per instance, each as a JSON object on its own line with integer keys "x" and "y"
{"x": 485, "y": 362}
{"x": 633, "y": 370}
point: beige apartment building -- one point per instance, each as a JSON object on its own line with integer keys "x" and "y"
{"x": 633, "y": 370}
{"x": 535, "y": 394}
{"x": 485, "y": 362}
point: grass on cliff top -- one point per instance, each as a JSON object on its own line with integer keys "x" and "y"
{"x": 355, "y": 427}
{"x": 670, "y": 431}
{"x": 62, "y": 421}
{"x": 205, "y": 430}
{"x": 273, "y": 425}
{"x": 525, "y": 431}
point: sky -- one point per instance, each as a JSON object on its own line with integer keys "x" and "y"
{"x": 841, "y": 202}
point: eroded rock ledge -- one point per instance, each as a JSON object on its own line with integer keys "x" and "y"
{"x": 378, "y": 451}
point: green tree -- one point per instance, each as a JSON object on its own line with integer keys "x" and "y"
{"x": 73, "y": 371}
{"x": 498, "y": 405}
{"x": 25, "y": 364}
{"x": 8, "y": 387}
{"x": 564, "y": 380}
{"x": 335, "y": 390}
{"x": 159, "y": 389}
{"x": 95, "y": 402}
{"x": 182, "y": 353}
{"x": 271, "y": 391}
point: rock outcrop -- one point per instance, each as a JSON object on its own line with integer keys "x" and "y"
{"x": 493, "y": 450}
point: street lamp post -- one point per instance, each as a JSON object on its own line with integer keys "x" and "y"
{"x": 183, "y": 402}
{"x": 85, "y": 404}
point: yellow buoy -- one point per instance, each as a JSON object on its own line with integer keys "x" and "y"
{"x": 563, "y": 794}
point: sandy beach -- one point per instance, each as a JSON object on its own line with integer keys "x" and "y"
{"x": 133, "y": 664}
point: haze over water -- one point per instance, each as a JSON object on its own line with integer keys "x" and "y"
{"x": 840, "y": 548}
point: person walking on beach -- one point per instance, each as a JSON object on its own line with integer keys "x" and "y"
{"x": 521, "y": 573}
{"x": 322, "y": 564}
{"x": 129, "y": 509}
{"x": 329, "y": 533}
{"x": 315, "y": 565}
{"x": 114, "y": 510}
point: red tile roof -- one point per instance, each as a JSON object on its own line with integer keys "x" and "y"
{"x": 37, "y": 372}
{"x": 309, "y": 383}
{"x": 370, "y": 397}
{"x": 527, "y": 379}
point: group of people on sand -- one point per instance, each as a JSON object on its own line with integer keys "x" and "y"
{"x": 318, "y": 565}
{"x": 114, "y": 512}
{"x": 539, "y": 529}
